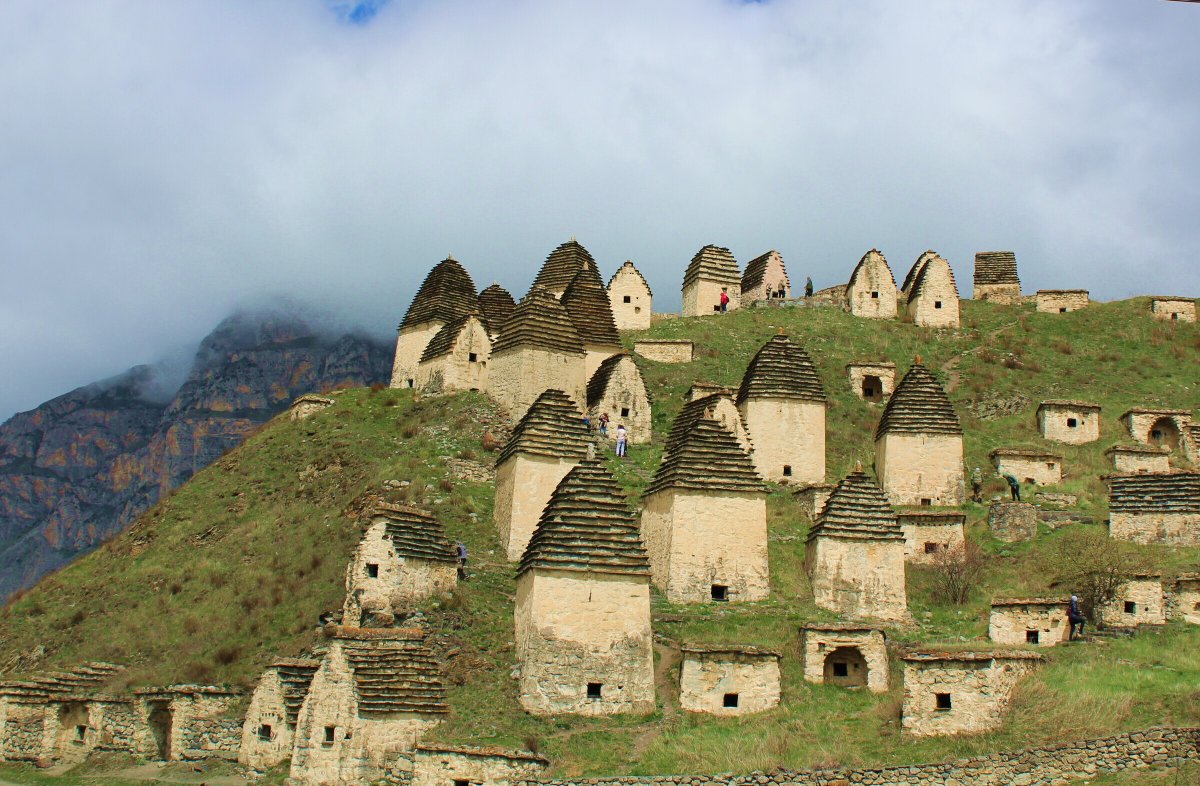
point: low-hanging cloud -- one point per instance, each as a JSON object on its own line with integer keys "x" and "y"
{"x": 163, "y": 162}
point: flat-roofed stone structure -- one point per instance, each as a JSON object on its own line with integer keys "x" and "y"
{"x": 631, "y": 298}
{"x": 548, "y": 441}
{"x": 1139, "y": 458}
{"x": 538, "y": 349}
{"x": 434, "y": 764}
{"x": 871, "y": 291}
{"x": 496, "y": 305}
{"x": 1028, "y": 465}
{"x": 1155, "y": 508}
{"x": 582, "y": 615}
{"x": 855, "y": 554}
{"x": 872, "y": 380}
{"x": 1173, "y": 309}
{"x": 1061, "y": 301}
{"x": 562, "y": 265}
{"x": 446, "y": 294}
{"x": 730, "y": 680}
{"x": 812, "y": 498}
{"x": 267, "y": 733}
{"x": 586, "y": 302}
{"x": 618, "y": 390}
{"x": 845, "y": 654}
{"x": 1037, "y": 622}
{"x": 996, "y": 278}
{"x": 456, "y": 358}
{"x": 665, "y": 350}
{"x": 949, "y": 693}
{"x": 929, "y": 532}
{"x": 712, "y": 270}
{"x": 782, "y": 404}
{"x": 704, "y": 514}
{"x": 403, "y": 558}
{"x": 1187, "y": 597}
{"x": 1140, "y": 602}
{"x": 765, "y": 278}
{"x": 1070, "y": 422}
{"x": 187, "y": 722}
{"x": 308, "y": 405}
{"x": 1166, "y": 428}
{"x": 932, "y": 296}
{"x": 918, "y": 443}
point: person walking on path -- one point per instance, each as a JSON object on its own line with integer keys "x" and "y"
{"x": 976, "y": 485}
{"x": 724, "y": 300}
{"x": 1015, "y": 487}
{"x": 462, "y": 560}
{"x": 622, "y": 435}
{"x": 808, "y": 286}
{"x": 1075, "y": 618}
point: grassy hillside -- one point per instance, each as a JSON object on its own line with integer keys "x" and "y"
{"x": 234, "y": 568}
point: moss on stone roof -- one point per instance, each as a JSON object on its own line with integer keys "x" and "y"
{"x": 857, "y": 510}
{"x": 539, "y": 322}
{"x": 552, "y": 426}
{"x": 781, "y": 369}
{"x": 446, "y": 294}
{"x": 918, "y": 405}
{"x": 1151, "y": 492}
{"x": 415, "y": 533}
{"x": 395, "y": 674}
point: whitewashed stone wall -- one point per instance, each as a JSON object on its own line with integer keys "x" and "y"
{"x": 1140, "y": 602}
{"x": 410, "y": 345}
{"x": 1061, "y": 301}
{"x": 400, "y": 583}
{"x": 703, "y": 297}
{"x": 979, "y": 693}
{"x": 708, "y": 680}
{"x": 1054, "y": 422}
{"x": 858, "y": 578}
{"x": 630, "y": 299}
{"x": 919, "y": 469}
{"x": 1013, "y": 621}
{"x": 665, "y": 350}
{"x": 516, "y": 377}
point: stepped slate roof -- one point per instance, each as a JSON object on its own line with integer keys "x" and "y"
{"x": 628, "y": 267}
{"x": 442, "y": 342}
{"x": 446, "y": 294}
{"x": 598, "y": 384}
{"x": 996, "y": 267}
{"x": 781, "y": 369}
{"x": 496, "y": 305}
{"x": 1175, "y": 492}
{"x": 395, "y": 674}
{"x": 587, "y": 304}
{"x": 1139, "y": 448}
{"x": 757, "y": 268}
{"x": 552, "y": 426}
{"x": 83, "y": 679}
{"x": 295, "y": 675}
{"x": 414, "y": 533}
{"x": 868, "y": 257}
{"x": 562, "y": 265}
{"x": 917, "y": 267}
{"x": 857, "y": 510}
{"x": 587, "y": 526}
{"x": 539, "y": 321}
{"x": 918, "y": 406}
{"x": 918, "y": 282}
{"x": 701, "y": 454}
{"x": 713, "y": 263}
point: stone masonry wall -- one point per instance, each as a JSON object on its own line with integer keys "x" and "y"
{"x": 1061, "y": 301}
{"x": 1053, "y": 765}
{"x": 858, "y": 578}
{"x": 706, "y": 679}
{"x": 410, "y": 344}
{"x": 979, "y": 694}
{"x": 455, "y": 371}
{"x": 1187, "y": 600}
{"x": 1044, "y": 471}
{"x": 626, "y": 391}
{"x": 816, "y": 645}
{"x": 918, "y": 535}
{"x": 1054, "y": 423}
{"x": 1179, "y": 529}
{"x": 399, "y": 585}
{"x": 524, "y": 484}
{"x": 266, "y": 707}
{"x": 1171, "y": 310}
{"x": 703, "y": 297}
{"x": 1140, "y": 462}
{"x": 1011, "y": 624}
{"x": 916, "y": 467}
{"x": 1002, "y": 294}
{"x": 665, "y": 351}
{"x": 516, "y": 377}
{"x": 786, "y": 434}
{"x": 635, "y": 314}
{"x": 437, "y": 767}
{"x": 1146, "y": 595}
{"x": 857, "y": 372}
{"x": 874, "y": 293}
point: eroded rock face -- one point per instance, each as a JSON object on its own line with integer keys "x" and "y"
{"x": 80, "y": 467}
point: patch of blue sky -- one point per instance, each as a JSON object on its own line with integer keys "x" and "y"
{"x": 357, "y": 12}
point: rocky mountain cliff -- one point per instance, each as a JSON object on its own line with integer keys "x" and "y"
{"x": 80, "y": 467}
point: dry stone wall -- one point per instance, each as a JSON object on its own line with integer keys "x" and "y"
{"x": 1039, "y": 622}
{"x": 960, "y": 693}
{"x": 1173, "y": 309}
{"x": 930, "y": 532}
{"x": 728, "y": 681}
{"x": 1070, "y": 422}
{"x": 1139, "y": 458}
{"x": 1140, "y": 602}
{"x": 664, "y": 350}
{"x": 1028, "y": 466}
{"x": 862, "y": 650}
{"x": 1061, "y": 301}
{"x": 872, "y": 382}
{"x": 1013, "y": 521}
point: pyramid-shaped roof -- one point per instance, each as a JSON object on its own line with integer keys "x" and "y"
{"x": 442, "y": 342}
{"x": 552, "y": 426}
{"x": 713, "y": 263}
{"x": 415, "y": 533}
{"x": 918, "y": 406}
{"x": 932, "y": 261}
{"x": 757, "y": 268}
{"x": 598, "y": 384}
{"x": 586, "y": 302}
{"x": 587, "y": 526}
{"x": 496, "y": 305}
{"x": 857, "y": 509}
{"x": 562, "y": 265}
{"x": 701, "y": 454}
{"x": 395, "y": 674}
{"x": 295, "y": 675}
{"x": 446, "y": 294}
{"x": 917, "y": 267}
{"x": 627, "y": 267}
{"x": 539, "y": 321}
{"x": 781, "y": 369}
{"x": 996, "y": 267}
{"x": 874, "y": 256}
{"x": 1154, "y": 492}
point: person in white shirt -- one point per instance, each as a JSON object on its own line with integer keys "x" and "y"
{"x": 621, "y": 437}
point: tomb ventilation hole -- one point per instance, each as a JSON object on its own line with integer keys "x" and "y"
{"x": 1072, "y": 423}
{"x": 1130, "y": 607}
{"x": 627, "y": 299}
{"x": 720, "y": 592}
{"x": 1196, "y": 607}
{"x": 1174, "y": 315}
{"x": 593, "y": 690}
{"x": 624, "y": 412}
{"x": 1062, "y": 310}
{"x": 408, "y": 383}
{"x": 264, "y": 732}
{"x": 942, "y": 701}
{"x": 875, "y": 296}
{"x": 787, "y": 470}
{"x": 937, "y": 304}
{"x": 926, "y": 501}
{"x": 472, "y": 357}
{"x": 461, "y": 782}
{"x": 372, "y": 570}
{"x": 717, "y": 308}
{"x": 329, "y": 732}
{"x": 80, "y": 733}
{"x": 931, "y": 548}
{"x": 1031, "y": 637}
{"x": 637, "y": 309}
{"x": 1050, "y": 465}
{"x": 872, "y": 388}
{"x": 1030, "y": 481}
{"x": 730, "y": 700}
{"x": 841, "y": 669}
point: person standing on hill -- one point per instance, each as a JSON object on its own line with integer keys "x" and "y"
{"x": 724, "y": 300}
{"x": 808, "y": 286}
{"x": 461, "y": 550}
{"x": 622, "y": 436}
{"x": 1075, "y": 618}
{"x": 1014, "y": 487}
{"x": 976, "y": 485}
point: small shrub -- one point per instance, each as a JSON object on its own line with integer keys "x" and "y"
{"x": 409, "y": 432}
{"x": 956, "y": 572}
{"x": 531, "y": 743}
{"x": 76, "y": 618}
{"x": 198, "y": 672}
{"x": 1062, "y": 347}
{"x": 376, "y": 387}
{"x": 446, "y": 485}
{"x": 1090, "y": 564}
{"x": 225, "y": 655}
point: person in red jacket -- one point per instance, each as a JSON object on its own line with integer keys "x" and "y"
{"x": 724, "y": 300}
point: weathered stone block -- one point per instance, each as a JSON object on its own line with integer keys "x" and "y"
{"x": 1013, "y": 521}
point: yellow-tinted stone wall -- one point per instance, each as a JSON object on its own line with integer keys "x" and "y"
{"x": 915, "y": 467}
{"x": 524, "y": 483}
{"x": 788, "y": 438}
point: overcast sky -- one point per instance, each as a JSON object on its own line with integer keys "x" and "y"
{"x": 163, "y": 162}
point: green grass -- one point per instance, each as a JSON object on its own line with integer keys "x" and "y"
{"x": 233, "y": 569}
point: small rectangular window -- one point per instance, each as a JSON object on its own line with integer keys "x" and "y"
{"x": 329, "y": 730}
{"x": 1062, "y": 310}
{"x": 408, "y": 382}
{"x": 461, "y": 782}
{"x": 637, "y": 309}
{"x": 264, "y": 732}
{"x": 372, "y": 570}
{"x": 1130, "y": 607}
{"x": 720, "y": 592}
{"x": 626, "y": 299}
{"x": 730, "y": 700}
{"x": 1031, "y": 637}
{"x": 593, "y": 690}
{"x": 1049, "y": 465}
{"x": 1072, "y": 422}
{"x": 80, "y": 733}
{"x": 717, "y": 307}
{"x": 787, "y": 470}
{"x": 1174, "y": 315}
{"x": 931, "y": 548}
{"x": 624, "y": 412}
{"x": 472, "y": 357}
{"x": 926, "y": 501}
{"x": 841, "y": 669}
{"x": 937, "y": 304}
{"x": 943, "y": 700}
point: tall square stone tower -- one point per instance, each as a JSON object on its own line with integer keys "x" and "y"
{"x": 446, "y": 294}
{"x": 537, "y": 349}
{"x": 918, "y": 444}
{"x": 711, "y": 271}
{"x": 996, "y": 278}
